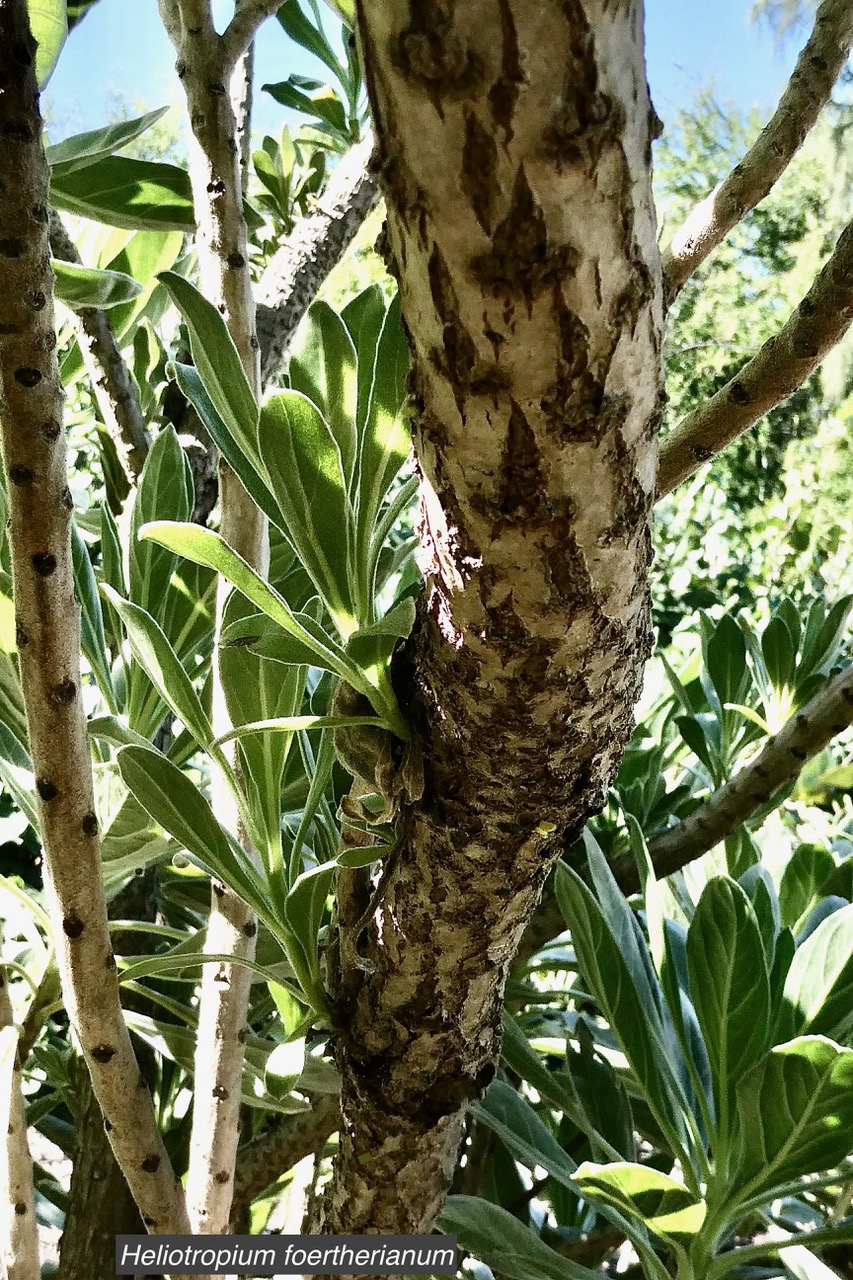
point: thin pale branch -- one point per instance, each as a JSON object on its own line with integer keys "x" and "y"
{"x": 240, "y": 32}
{"x": 48, "y": 637}
{"x": 19, "y": 1247}
{"x": 778, "y": 368}
{"x": 318, "y": 242}
{"x": 242, "y": 86}
{"x": 111, "y": 381}
{"x": 287, "y": 1140}
{"x": 779, "y": 762}
{"x": 224, "y": 269}
{"x": 806, "y": 93}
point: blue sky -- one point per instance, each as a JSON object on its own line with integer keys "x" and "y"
{"x": 120, "y": 55}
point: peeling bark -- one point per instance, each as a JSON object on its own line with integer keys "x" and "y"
{"x": 48, "y": 635}
{"x": 515, "y": 157}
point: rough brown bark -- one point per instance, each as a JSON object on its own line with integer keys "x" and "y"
{"x": 515, "y": 155}
{"x": 287, "y": 1140}
{"x": 48, "y": 633}
{"x": 818, "y": 67}
{"x": 774, "y": 372}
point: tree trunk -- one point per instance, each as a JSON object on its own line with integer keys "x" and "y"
{"x": 515, "y": 143}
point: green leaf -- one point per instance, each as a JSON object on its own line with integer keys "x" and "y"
{"x": 160, "y": 663}
{"x": 726, "y": 659}
{"x": 208, "y": 548}
{"x": 92, "y": 639}
{"x": 532, "y": 1143}
{"x": 16, "y": 772}
{"x": 839, "y": 882}
{"x": 665, "y": 1206}
{"x": 265, "y": 639}
{"x": 741, "y": 853}
{"x": 83, "y": 149}
{"x": 145, "y": 255}
{"x": 304, "y": 467}
{"x": 122, "y": 192}
{"x": 506, "y": 1113}
{"x": 261, "y": 694}
{"x": 293, "y": 724}
{"x": 177, "y": 805}
{"x": 503, "y": 1243}
{"x": 779, "y": 653}
{"x": 165, "y": 488}
{"x": 49, "y": 26}
{"x": 219, "y": 366}
{"x": 385, "y": 438}
{"x": 114, "y": 731}
{"x": 364, "y": 314}
{"x": 841, "y": 776}
{"x": 80, "y": 287}
{"x": 729, "y": 986}
{"x": 303, "y": 911}
{"x": 619, "y": 979}
{"x": 821, "y": 643}
{"x": 808, "y": 868}
{"x": 694, "y": 735}
{"x": 601, "y": 1092}
{"x": 795, "y": 1111}
{"x": 192, "y": 386}
{"x": 177, "y": 1042}
{"x": 323, "y": 367}
{"x": 284, "y": 1067}
{"x": 303, "y": 31}
{"x": 375, "y": 644}
{"x": 818, "y": 994}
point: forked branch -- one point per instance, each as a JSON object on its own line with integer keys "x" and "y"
{"x": 784, "y": 363}
{"x": 240, "y": 32}
{"x": 807, "y": 92}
